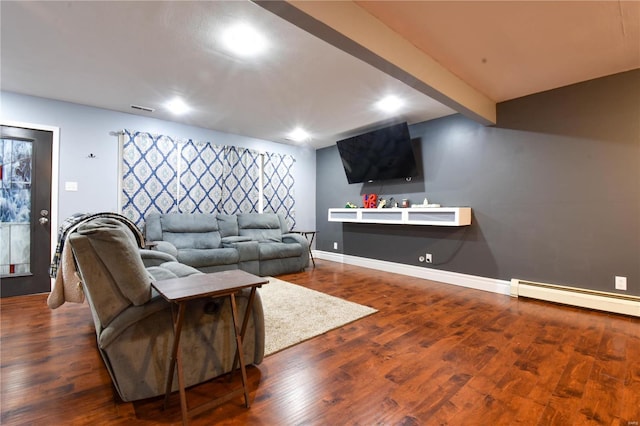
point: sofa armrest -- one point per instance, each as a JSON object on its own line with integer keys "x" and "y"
{"x": 130, "y": 316}
{"x": 229, "y": 241}
{"x": 246, "y": 247}
{"x": 155, "y": 257}
{"x": 295, "y": 238}
{"x": 166, "y": 247}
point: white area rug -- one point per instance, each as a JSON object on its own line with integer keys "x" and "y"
{"x": 293, "y": 314}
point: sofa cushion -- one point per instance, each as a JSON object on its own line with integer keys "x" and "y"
{"x": 228, "y": 225}
{"x": 191, "y": 230}
{"x": 208, "y": 257}
{"x": 279, "y": 250}
{"x": 262, "y": 227}
{"x": 196, "y": 240}
{"x": 159, "y": 273}
{"x": 171, "y": 269}
{"x": 153, "y": 227}
{"x": 188, "y": 222}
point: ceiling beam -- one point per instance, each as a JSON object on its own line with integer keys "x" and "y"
{"x": 350, "y": 28}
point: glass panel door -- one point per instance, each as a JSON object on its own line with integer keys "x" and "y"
{"x": 16, "y": 163}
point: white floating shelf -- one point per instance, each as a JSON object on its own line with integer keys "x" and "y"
{"x": 441, "y": 216}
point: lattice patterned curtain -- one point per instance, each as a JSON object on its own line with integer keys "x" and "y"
{"x": 162, "y": 174}
{"x": 241, "y": 191}
{"x": 149, "y": 175}
{"x": 278, "y": 186}
{"x": 201, "y": 176}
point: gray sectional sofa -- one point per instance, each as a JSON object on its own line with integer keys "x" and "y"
{"x": 258, "y": 243}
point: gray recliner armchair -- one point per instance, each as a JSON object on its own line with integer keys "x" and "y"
{"x": 134, "y": 324}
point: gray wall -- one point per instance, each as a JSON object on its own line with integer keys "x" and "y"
{"x": 554, "y": 188}
{"x": 85, "y": 130}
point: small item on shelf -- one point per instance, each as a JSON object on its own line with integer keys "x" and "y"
{"x": 382, "y": 203}
{"x": 405, "y": 203}
{"x": 391, "y": 203}
{"x": 425, "y": 203}
{"x": 350, "y": 205}
{"x": 369, "y": 201}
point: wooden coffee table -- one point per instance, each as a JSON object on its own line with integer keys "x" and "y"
{"x": 218, "y": 284}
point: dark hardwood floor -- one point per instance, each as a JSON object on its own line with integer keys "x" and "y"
{"x": 433, "y": 354}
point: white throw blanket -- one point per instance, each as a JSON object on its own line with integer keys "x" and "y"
{"x": 67, "y": 286}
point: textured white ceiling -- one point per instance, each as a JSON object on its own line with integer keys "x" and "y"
{"x": 115, "y": 54}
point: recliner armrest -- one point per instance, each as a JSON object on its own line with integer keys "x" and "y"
{"x": 247, "y": 248}
{"x": 295, "y": 238}
{"x": 130, "y": 316}
{"x": 155, "y": 257}
{"x": 166, "y": 247}
{"x": 229, "y": 241}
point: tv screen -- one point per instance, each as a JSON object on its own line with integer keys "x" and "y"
{"x": 378, "y": 155}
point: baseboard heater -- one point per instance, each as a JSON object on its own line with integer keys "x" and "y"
{"x": 592, "y": 299}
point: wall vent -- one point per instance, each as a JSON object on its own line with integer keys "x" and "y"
{"x": 592, "y": 299}
{"x": 143, "y": 108}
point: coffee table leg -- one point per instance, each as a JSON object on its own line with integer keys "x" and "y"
{"x": 245, "y": 322}
{"x": 239, "y": 351}
{"x": 176, "y": 357}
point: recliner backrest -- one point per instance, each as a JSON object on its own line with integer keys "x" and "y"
{"x": 262, "y": 227}
{"x": 111, "y": 268}
{"x": 185, "y": 230}
{"x": 228, "y": 225}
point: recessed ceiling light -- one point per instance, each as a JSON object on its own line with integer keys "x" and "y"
{"x": 177, "y": 106}
{"x": 390, "y": 103}
{"x": 298, "y": 135}
{"x": 243, "y": 40}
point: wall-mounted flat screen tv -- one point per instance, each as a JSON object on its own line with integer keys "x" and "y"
{"x": 382, "y": 154}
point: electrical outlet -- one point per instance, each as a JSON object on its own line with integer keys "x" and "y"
{"x": 621, "y": 283}
{"x": 428, "y": 258}
{"x": 335, "y": 245}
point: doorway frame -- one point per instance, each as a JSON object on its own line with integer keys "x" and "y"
{"x": 55, "y": 164}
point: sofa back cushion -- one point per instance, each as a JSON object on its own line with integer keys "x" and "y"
{"x": 261, "y": 227}
{"x": 153, "y": 227}
{"x": 190, "y": 230}
{"x": 228, "y": 225}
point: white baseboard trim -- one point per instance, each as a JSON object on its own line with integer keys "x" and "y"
{"x": 471, "y": 281}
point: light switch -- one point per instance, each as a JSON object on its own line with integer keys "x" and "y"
{"x": 71, "y": 186}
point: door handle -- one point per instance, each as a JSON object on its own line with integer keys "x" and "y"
{"x": 43, "y": 217}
